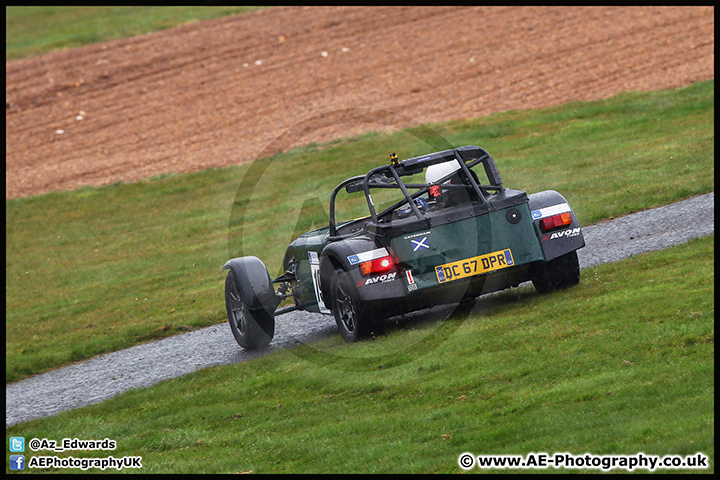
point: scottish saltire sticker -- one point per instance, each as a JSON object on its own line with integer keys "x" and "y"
{"x": 421, "y": 244}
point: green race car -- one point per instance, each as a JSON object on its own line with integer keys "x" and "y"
{"x": 429, "y": 232}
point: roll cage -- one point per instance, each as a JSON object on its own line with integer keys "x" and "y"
{"x": 390, "y": 177}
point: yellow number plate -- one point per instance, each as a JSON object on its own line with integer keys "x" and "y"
{"x": 474, "y": 266}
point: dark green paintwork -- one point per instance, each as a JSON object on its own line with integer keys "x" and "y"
{"x": 423, "y": 237}
{"x": 467, "y": 238}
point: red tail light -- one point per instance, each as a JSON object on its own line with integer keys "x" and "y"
{"x": 379, "y": 265}
{"x": 556, "y": 221}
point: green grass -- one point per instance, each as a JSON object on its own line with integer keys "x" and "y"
{"x": 100, "y": 269}
{"x": 623, "y": 363}
{"x": 36, "y": 30}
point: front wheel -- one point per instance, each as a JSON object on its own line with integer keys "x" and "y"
{"x": 354, "y": 319}
{"x": 252, "y": 328}
{"x": 558, "y": 273}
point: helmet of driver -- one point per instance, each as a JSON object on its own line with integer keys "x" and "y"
{"x": 440, "y": 170}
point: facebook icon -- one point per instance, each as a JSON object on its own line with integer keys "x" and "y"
{"x": 17, "y": 462}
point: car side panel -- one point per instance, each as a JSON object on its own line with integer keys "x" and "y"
{"x": 303, "y": 257}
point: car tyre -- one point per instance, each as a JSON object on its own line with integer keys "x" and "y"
{"x": 561, "y": 272}
{"x": 353, "y": 317}
{"x": 252, "y": 328}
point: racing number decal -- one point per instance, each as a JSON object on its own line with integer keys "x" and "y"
{"x": 315, "y": 273}
{"x": 474, "y": 266}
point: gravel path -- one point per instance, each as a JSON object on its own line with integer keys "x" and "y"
{"x": 144, "y": 365}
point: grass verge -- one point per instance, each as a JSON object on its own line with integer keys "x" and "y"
{"x": 100, "y": 269}
{"x": 623, "y": 363}
{"x": 36, "y": 30}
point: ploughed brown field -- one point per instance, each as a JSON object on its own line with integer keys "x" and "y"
{"x": 218, "y": 92}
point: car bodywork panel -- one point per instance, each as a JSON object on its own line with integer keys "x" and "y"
{"x": 441, "y": 254}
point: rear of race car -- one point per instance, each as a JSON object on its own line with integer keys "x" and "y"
{"x": 465, "y": 258}
{"x": 495, "y": 238}
{"x": 418, "y": 248}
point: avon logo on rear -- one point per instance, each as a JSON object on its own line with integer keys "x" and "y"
{"x": 388, "y": 277}
{"x": 570, "y": 232}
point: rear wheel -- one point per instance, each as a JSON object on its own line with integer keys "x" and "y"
{"x": 559, "y": 273}
{"x": 252, "y": 328}
{"x": 354, "y": 319}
